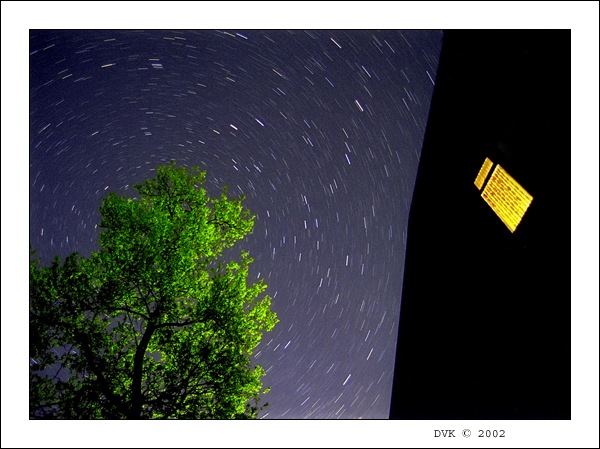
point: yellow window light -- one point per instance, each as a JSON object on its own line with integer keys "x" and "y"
{"x": 483, "y": 172}
{"x": 505, "y": 196}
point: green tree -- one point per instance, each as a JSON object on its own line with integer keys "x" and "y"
{"x": 154, "y": 324}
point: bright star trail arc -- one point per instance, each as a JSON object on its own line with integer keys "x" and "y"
{"x": 320, "y": 130}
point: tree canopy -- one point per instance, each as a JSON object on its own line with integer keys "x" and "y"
{"x": 155, "y": 324}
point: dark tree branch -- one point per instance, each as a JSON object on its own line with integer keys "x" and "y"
{"x": 128, "y": 310}
{"x": 90, "y": 357}
{"x": 179, "y": 324}
{"x": 138, "y": 361}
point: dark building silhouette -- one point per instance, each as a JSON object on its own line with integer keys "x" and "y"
{"x": 485, "y": 318}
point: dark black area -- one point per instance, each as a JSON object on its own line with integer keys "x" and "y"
{"x": 485, "y": 318}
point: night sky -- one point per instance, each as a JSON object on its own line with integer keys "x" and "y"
{"x": 320, "y": 130}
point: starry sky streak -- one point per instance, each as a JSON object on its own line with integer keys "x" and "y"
{"x": 321, "y": 130}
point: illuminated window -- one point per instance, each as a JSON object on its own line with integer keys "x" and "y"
{"x": 483, "y": 172}
{"x": 507, "y": 198}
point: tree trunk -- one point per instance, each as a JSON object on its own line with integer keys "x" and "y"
{"x": 136, "y": 387}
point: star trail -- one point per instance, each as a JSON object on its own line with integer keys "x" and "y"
{"x": 320, "y": 130}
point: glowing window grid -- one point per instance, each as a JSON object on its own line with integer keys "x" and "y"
{"x": 507, "y": 198}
